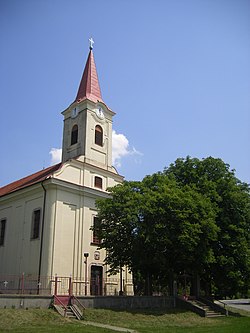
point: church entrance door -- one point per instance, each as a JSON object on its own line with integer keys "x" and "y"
{"x": 96, "y": 280}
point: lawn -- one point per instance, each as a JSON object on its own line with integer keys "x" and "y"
{"x": 41, "y": 321}
{"x": 149, "y": 321}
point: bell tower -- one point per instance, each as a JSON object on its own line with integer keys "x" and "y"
{"x": 87, "y": 133}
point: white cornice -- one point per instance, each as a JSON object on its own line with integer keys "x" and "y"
{"x": 74, "y": 188}
{"x": 51, "y": 183}
{"x": 81, "y": 162}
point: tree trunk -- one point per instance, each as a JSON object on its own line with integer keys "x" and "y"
{"x": 148, "y": 285}
{"x": 171, "y": 284}
{"x": 195, "y": 285}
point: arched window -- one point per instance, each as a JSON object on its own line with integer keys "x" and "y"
{"x": 2, "y": 231}
{"x": 35, "y": 224}
{"x": 98, "y": 135}
{"x": 98, "y": 182}
{"x": 74, "y": 135}
{"x": 96, "y": 228}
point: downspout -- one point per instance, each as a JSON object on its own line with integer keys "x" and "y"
{"x": 41, "y": 244}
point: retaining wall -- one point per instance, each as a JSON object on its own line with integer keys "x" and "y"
{"x": 127, "y": 302}
{"x": 25, "y": 301}
{"x": 104, "y": 302}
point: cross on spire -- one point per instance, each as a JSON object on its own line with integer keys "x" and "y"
{"x": 89, "y": 86}
{"x": 91, "y": 42}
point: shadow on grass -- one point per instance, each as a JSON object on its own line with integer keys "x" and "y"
{"x": 237, "y": 312}
{"x": 152, "y": 312}
{"x": 157, "y": 312}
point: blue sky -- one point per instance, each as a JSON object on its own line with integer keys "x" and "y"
{"x": 176, "y": 72}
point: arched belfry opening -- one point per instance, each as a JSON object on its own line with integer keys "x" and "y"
{"x": 98, "y": 135}
{"x": 74, "y": 135}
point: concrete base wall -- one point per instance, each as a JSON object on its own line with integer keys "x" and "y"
{"x": 110, "y": 302}
{"x": 18, "y": 302}
{"x": 127, "y": 302}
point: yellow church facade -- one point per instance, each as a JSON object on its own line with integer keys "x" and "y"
{"x": 47, "y": 220}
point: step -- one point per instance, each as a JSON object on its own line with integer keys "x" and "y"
{"x": 70, "y": 315}
{"x": 210, "y": 313}
{"x": 76, "y": 311}
{"x": 215, "y": 315}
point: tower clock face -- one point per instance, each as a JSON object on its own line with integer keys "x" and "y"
{"x": 74, "y": 112}
{"x": 99, "y": 112}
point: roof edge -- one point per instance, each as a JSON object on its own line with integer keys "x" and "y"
{"x": 34, "y": 178}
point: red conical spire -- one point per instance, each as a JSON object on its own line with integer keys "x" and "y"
{"x": 89, "y": 87}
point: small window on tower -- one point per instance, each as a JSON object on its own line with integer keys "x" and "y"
{"x": 2, "y": 231}
{"x": 74, "y": 135}
{"x": 98, "y": 135}
{"x": 98, "y": 182}
{"x": 35, "y": 226}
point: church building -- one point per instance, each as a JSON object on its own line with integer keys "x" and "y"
{"x": 46, "y": 217}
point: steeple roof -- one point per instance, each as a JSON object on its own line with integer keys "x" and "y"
{"x": 89, "y": 86}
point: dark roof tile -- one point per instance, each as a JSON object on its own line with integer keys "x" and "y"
{"x": 29, "y": 180}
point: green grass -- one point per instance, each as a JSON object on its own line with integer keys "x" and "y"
{"x": 169, "y": 321}
{"x": 41, "y": 321}
{"x": 148, "y": 321}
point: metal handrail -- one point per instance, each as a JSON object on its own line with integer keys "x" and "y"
{"x": 77, "y": 307}
{"x": 79, "y": 303}
{"x": 74, "y": 298}
{"x": 217, "y": 306}
{"x": 224, "y": 304}
{"x": 65, "y": 309}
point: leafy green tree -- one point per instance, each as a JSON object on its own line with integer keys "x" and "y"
{"x": 157, "y": 229}
{"x": 191, "y": 219}
{"x": 229, "y": 273}
{"x": 179, "y": 223}
{"x": 118, "y": 217}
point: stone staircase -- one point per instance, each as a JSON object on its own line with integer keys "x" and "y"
{"x": 210, "y": 311}
{"x": 202, "y": 306}
{"x": 71, "y": 313}
{"x": 67, "y": 307}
